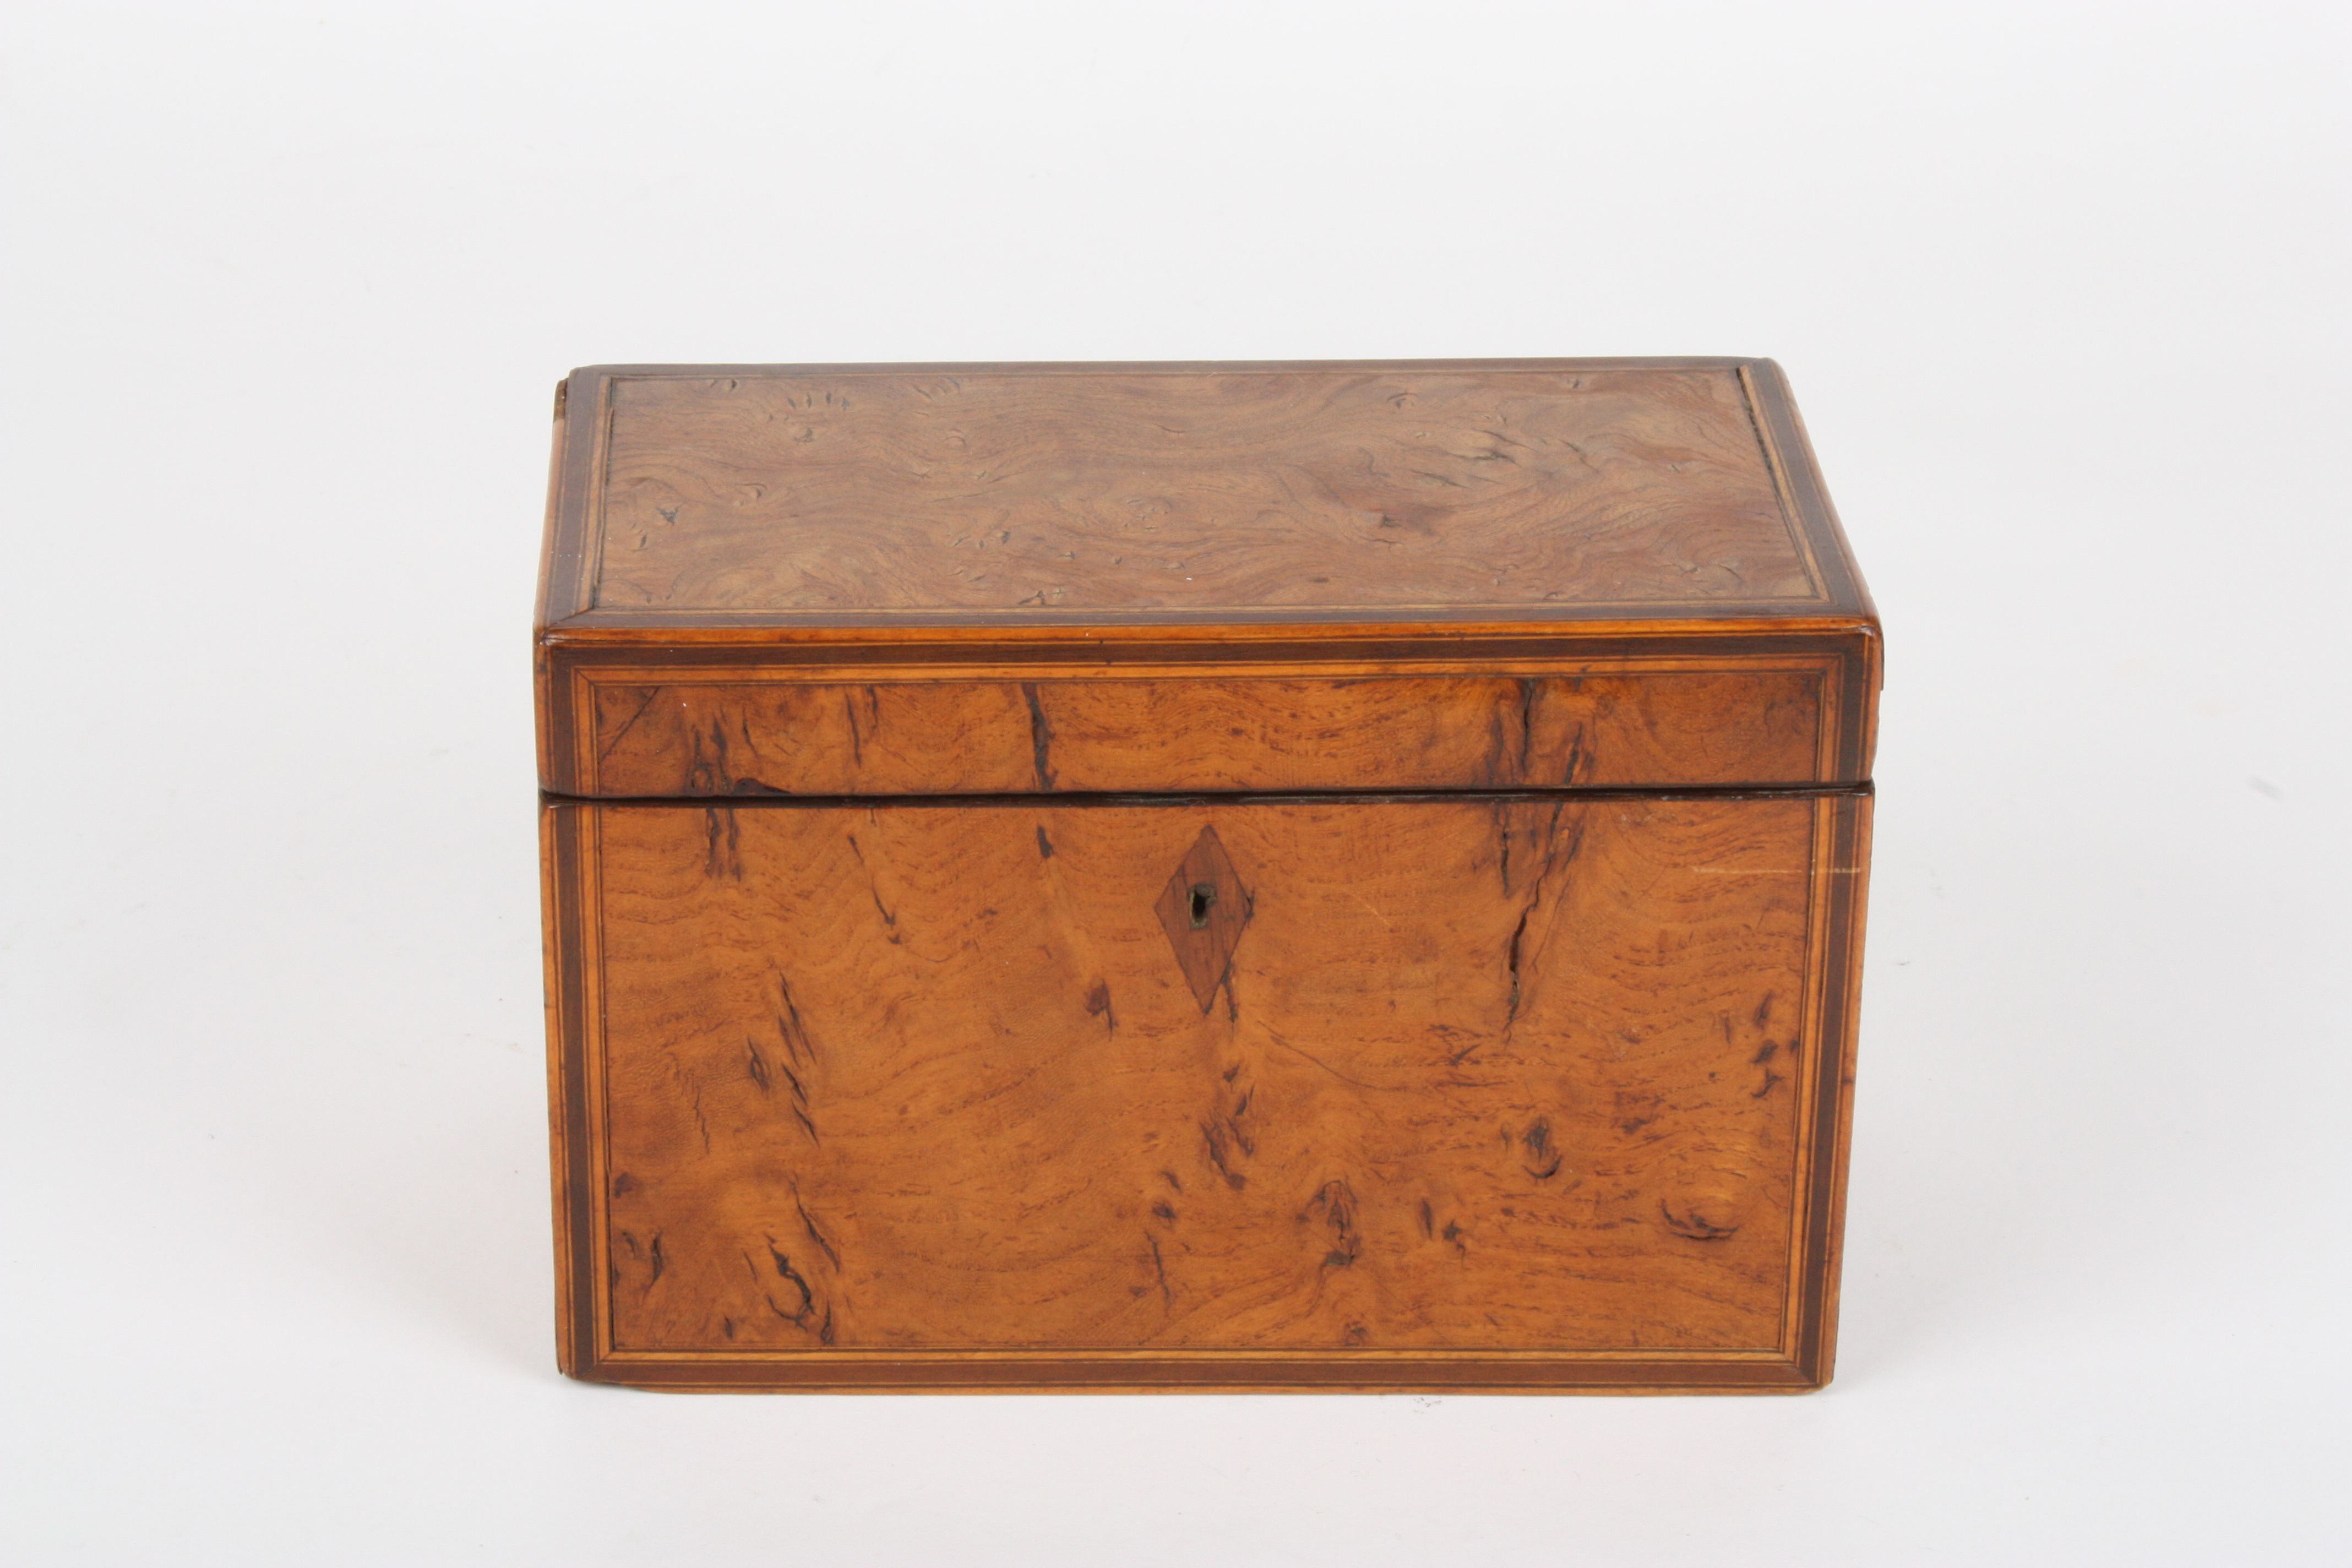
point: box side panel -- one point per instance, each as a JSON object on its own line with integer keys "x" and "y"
{"x": 568, "y": 561}
{"x": 1807, "y": 498}
{"x": 542, "y": 707}
{"x": 1843, "y": 874}
{"x": 564, "y": 832}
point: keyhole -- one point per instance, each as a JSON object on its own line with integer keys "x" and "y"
{"x": 1204, "y": 895}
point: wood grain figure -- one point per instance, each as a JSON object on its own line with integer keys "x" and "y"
{"x": 1166, "y": 877}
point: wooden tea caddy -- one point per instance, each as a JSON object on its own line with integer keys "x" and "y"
{"x": 1341, "y": 876}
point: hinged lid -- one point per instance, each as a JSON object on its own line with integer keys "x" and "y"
{"x": 1579, "y": 572}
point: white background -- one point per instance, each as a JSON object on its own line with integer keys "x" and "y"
{"x": 2062, "y": 292}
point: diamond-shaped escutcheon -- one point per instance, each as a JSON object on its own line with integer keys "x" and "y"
{"x": 1204, "y": 910}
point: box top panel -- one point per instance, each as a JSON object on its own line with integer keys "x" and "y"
{"x": 840, "y": 502}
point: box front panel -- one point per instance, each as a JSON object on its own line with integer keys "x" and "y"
{"x": 1358, "y": 1092}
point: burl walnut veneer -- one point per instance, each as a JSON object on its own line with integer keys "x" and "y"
{"x": 1160, "y": 876}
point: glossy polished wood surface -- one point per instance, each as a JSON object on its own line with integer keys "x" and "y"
{"x": 1547, "y": 1079}
{"x": 716, "y": 497}
{"x": 1657, "y": 563}
{"x": 1151, "y": 489}
{"x": 1743, "y": 726}
{"x": 1189, "y": 876}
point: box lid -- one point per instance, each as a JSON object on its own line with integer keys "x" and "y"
{"x": 1351, "y": 513}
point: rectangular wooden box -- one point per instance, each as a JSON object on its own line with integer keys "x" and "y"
{"x": 1155, "y": 876}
